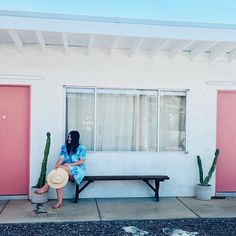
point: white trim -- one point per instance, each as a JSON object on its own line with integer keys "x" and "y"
{"x": 171, "y": 31}
{"x": 13, "y": 197}
{"x": 115, "y": 19}
{"x": 95, "y": 120}
{"x": 186, "y": 122}
{"x": 127, "y": 91}
{"x": 173, "y": 93}
{"x": 64, "y": 116}
{"x": 21, "y": 77}
{"x": 79, "y": 90}
{"x": 226, "y": 194}
{"x": 225, "y": 83}
{"x": 158, "y": 119}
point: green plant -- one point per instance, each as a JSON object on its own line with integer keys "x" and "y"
{"x": 205, "y": 182}
{"x": 42, "y": 177}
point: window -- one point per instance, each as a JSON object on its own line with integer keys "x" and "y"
{"x": 128, "y": 119}
{"x": 80, "y": 114}
{"x": 172, "y": 121}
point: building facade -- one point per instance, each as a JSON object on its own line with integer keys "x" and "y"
{"x": 147, "y": 98}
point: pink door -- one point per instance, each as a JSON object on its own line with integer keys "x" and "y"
{"x": 226, "y": 141}
{"x": 14, "y": 139}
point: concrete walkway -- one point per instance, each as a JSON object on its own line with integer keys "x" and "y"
{"x": 23, "y": 211}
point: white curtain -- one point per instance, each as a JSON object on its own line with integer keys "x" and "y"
{"x": 172, "y": 121}
{"x": 80, "y": 115}
{"x": 126, "y": 120}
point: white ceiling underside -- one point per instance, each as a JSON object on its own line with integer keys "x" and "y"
{"x": 193, "y": 42}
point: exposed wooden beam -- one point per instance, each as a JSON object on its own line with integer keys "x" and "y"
{"x": 41, "y": 41}
{"x": 136, "y": 46}
{"x": 161, "y": 43}
{"x": 222, "y": 49}
{"x": 16, "y": 39}
{"x": 232, "y": 55}
{"x": 201, "y": 48}
{"x": 113, "y": 46}
{"x": 179, "y": 47}
{"x": 65, "y": 42}
{"x": 90, "y": 44}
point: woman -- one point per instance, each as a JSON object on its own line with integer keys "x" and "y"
{"x": 72, "y": 158}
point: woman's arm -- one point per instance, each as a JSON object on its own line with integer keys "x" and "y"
{"x": 59, "y": 162}
{"x": 76, "y": 163}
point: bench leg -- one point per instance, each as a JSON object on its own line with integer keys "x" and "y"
{"x": 76, "y": 193}
{"x": 157, "y": 185}
{"x": 78, "y": 190}
{"x": 156, "y": 189}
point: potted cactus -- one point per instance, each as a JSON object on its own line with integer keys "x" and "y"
{"x": 203, "y": 190}
{"x": 41, "y": 198}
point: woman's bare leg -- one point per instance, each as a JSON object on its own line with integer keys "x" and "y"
{"x": 43, "y": 189}
{"x": 60, "y": 192}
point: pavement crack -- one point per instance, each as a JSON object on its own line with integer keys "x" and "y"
{"x": 4, "y": 207}
{"x": 189, "y": 208}
{"x": 98, "y": 209}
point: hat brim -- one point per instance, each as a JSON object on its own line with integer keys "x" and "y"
{"x": 57, "y": 172}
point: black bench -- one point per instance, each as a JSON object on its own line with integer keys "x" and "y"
{"x": 146, "y": 178}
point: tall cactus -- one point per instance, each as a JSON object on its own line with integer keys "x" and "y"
{"x": 205, "y": 182}
{"x": 199, "y": 162}
{"x": 42, "y": 177}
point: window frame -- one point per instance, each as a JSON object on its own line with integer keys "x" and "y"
{"x": 159, "y": 91}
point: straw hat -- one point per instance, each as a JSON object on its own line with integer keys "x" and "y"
{"x": 57, "y": 178}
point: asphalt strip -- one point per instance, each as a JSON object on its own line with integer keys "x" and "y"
{"x": 176, "y": 227}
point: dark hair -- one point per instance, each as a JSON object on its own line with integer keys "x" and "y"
{"x": 72, "y": 147}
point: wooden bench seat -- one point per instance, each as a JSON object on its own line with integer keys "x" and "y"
{"x": 146, "y": 178}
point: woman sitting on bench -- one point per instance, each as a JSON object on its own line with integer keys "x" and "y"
{"x": 72, "y": 158}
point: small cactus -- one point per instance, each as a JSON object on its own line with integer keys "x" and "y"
{"x": 42, "y": 177}
{"x": 205, "y": 182}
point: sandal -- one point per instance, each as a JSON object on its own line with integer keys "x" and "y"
{"x": 57, "y": 205}
{"x": 38, "y": 191}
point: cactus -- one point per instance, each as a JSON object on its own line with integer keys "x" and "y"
{"x": 199, "y": 162}
{"x": 205, "y": 182}
{"x": 42, "y": 177}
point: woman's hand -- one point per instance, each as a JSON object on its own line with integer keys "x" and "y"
{"x": 59, "y": 163}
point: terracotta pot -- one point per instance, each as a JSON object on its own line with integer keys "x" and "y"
{"x": 38, "y": 198}
{"x": 203, "y": 192}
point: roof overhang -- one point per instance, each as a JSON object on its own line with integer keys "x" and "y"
{"x": 215, "y": 41}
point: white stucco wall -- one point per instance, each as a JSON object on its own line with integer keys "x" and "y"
{"x": 119, "y": 71}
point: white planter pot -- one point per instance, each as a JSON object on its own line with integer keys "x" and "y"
{"x": 203, "y": 192}
{"x": 38, "y": 198}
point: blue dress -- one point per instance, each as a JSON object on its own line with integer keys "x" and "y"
{"x": 78, "y": 172}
